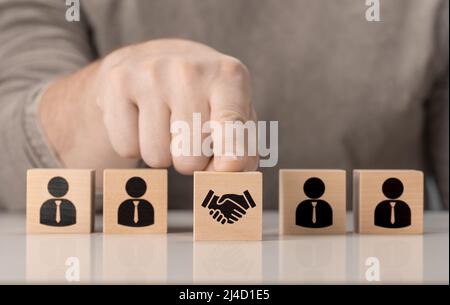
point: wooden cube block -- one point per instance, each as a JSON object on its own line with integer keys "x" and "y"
{"x": 312, "y": 201}
{"x": 388, "y": 201}
{"x": 135, "y": 201}
{"x": 60, "y": 201}
{"x": 227, "y": 206}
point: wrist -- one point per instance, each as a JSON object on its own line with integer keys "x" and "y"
{"x": 67, "y": 109}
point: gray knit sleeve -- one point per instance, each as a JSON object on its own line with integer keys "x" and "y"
{"x": 37, "y": 45}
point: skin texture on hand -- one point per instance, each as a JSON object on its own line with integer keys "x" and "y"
{"x": 119, "y": 109}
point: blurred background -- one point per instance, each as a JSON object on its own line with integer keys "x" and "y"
{"x": 353, "y": 85}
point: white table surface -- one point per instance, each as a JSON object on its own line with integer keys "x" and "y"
{"x": 175, "y": 258}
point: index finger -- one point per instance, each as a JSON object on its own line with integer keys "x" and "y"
{"x": 230, "y": 103}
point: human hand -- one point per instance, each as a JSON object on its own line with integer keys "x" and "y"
{"x": 120, "y": 108}
{"x": 145, "y": 87}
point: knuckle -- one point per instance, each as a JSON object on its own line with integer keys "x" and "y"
{"x": 233, "y": 68}
{"x": 116, "y": 76}
{"x": 153, "y": 68}
{"x": 187, "y": 69}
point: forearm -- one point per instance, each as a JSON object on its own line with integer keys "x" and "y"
{"x": 73, "y": 122}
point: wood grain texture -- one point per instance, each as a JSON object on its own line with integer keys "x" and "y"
{"x": 79, "y": 195}
{"x": 368, "y": 194}
{"x": 115, "y": 194}
{"x": 249, "y": 226}
{"x": 292, "y": 197}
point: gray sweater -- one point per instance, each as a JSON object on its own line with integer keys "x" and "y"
{"x": 347, "y": 93}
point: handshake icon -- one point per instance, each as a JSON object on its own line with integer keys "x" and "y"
{"x": 228, "y": 208}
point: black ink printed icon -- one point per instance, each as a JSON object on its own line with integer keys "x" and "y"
{"x": 136, "y": 212}
{"x": 228, "y": 208}
{"x": 58, "y": 212}
{"x": 314, "y": 212}
{"x": 392, "y": 213}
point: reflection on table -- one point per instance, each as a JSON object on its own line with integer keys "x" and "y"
{"x": 399, "y": 257}
{"x": 58, "y": 258}
{"x": 176, "y": 258}
{"x": 227, "y": 262}
{"x": 134, "y": 258}
{"x": 318, "y": 258}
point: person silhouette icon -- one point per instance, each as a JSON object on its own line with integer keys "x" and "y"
{"x": 136, "y": 212}
{"x": 392, "y": 213}
{"x": 313, "y": 212}
{"x": 58, "y": 212}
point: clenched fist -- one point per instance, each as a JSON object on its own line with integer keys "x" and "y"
{"x": 119, "y": 109}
